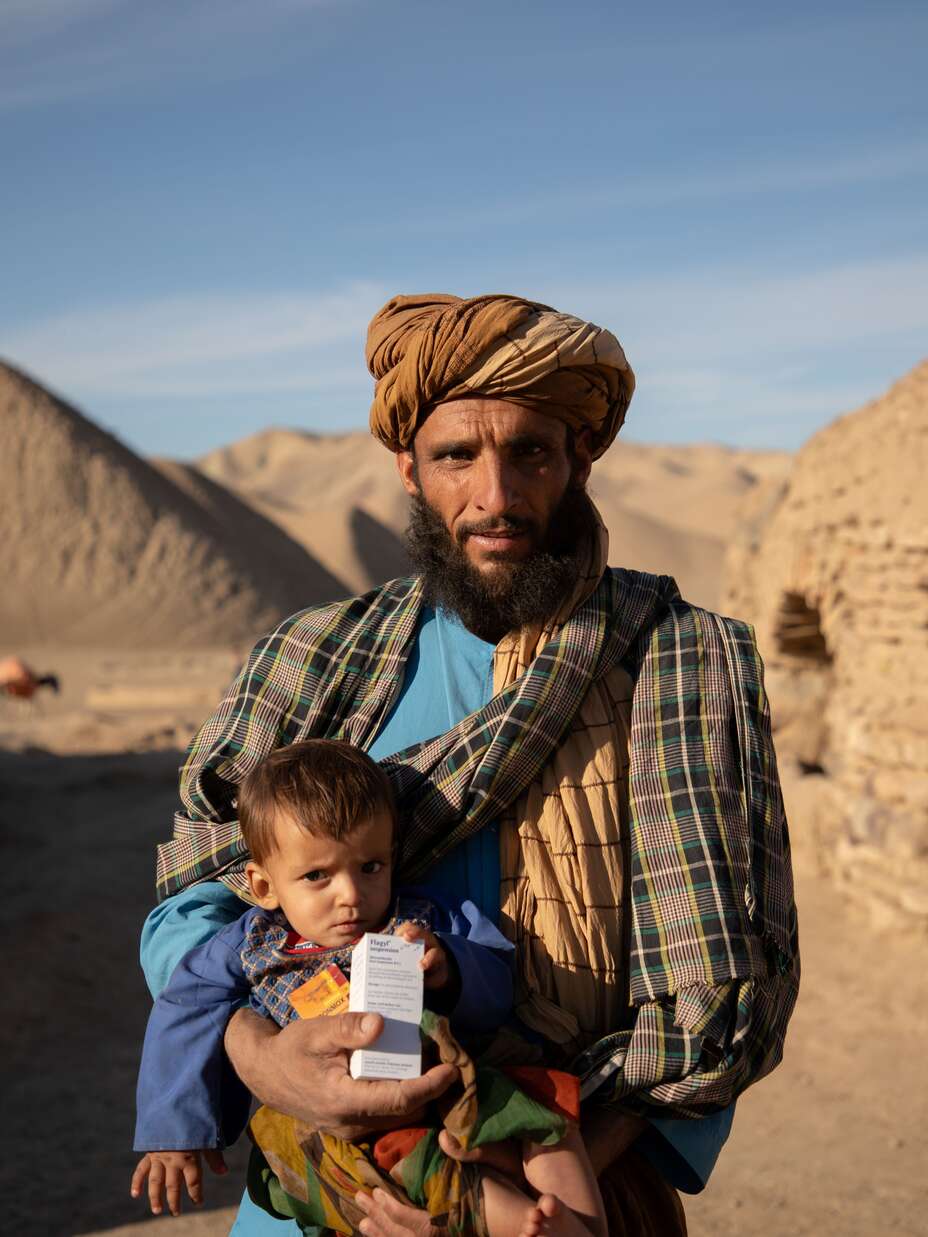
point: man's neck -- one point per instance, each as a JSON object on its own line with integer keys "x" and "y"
{"x": 487, "y": 633}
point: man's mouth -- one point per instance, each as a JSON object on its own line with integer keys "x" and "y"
{"x": 498, "y": 539}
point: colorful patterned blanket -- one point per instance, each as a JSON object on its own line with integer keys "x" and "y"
{"x": 300, "y": 1173}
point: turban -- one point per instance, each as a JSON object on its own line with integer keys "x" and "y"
{"x": 423, "y": 350}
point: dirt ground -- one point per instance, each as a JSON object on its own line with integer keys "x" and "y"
{"x": 830, "y": 1144}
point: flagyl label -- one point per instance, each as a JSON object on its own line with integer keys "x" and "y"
{"x": 386, "y": 980}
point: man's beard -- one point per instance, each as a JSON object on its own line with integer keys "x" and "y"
{"x": 514, "y": 594}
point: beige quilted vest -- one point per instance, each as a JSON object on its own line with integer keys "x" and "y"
{"x": 563, "y": 850}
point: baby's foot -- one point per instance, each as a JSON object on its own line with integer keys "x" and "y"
{"x": 549, "y": 1218}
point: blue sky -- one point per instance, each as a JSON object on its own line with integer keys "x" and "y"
{"x": 204, "y": 202}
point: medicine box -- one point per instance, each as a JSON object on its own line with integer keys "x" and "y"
{"x": 386, "y": 980}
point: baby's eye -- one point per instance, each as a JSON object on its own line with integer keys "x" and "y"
{"x": 372, "y": 867}
{"x": 317, "y": 874}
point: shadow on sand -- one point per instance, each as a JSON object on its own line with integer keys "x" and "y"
{"x": 77, "y": 838}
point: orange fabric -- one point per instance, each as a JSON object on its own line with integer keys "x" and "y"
{"x": 429, "y": 348}
{"x": 394, "y": 1146}
{"x": 552, "y": 1087}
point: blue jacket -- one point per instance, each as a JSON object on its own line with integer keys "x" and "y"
{"x": 189, "y": 1096}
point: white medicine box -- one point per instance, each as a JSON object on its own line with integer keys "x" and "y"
{"x": 386, "y": 980}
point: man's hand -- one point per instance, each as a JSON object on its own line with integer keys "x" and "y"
{"x": 434, "y": 960}
{"x": 168, "y": 1172}
{"x": 303, "y": 1070}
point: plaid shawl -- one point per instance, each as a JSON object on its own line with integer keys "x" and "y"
{"x": 713, "y": 967}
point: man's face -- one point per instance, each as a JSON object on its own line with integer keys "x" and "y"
{"x": 330, "y": 891}
{"x": 495, "y": 472}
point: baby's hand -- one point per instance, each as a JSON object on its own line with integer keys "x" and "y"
{"x": 166, "y": 1170}
{"x": 434, "y": 960}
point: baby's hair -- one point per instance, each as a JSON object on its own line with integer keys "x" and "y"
{"x": 327, "y": 786}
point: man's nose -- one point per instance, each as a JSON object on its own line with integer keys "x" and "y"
{"x": 495, "y": 485}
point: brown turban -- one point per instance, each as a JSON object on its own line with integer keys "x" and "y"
{"x": 423, "y": 350}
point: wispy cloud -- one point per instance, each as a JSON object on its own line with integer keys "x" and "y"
{"x": 747, "y": 357}
{"x": 730, "y": 354}
{"x": 29, "y": 21}
{"x": 760, "y": 407}
{"x": 631, "y": 189}
{"x": 202, "y": 345}
{"x": 739, "y": 314}
{"x": 52, "y": 51}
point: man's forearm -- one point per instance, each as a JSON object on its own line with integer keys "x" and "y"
{"x": 608, "y": 1135}
{"x": 247, "y": 1035}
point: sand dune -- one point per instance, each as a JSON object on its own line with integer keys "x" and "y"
{"x": 338, "y": 495}
{"x": 692, "y": 489}
{"x": 103, "y": 548}
{"x": 647, "y": 544}
{"x": 261, "y": 542}
{"x": 97, "y": 546}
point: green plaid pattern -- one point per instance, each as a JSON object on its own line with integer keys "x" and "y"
{"x": 713, "y": 963}
{"x": 712, "y": 895}
{"x": 333, "y": 672}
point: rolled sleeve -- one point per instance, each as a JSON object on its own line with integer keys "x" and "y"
{"x": 484, "y": 960}
{"x": 684, "y": 1152}
{"x": 181, "y": 923}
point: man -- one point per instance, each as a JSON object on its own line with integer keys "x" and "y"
{"x": 574, "y": 748}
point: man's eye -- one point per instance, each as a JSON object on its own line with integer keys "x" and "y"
{"x": 372, "y": 867}
{"x": 317, "y": 874}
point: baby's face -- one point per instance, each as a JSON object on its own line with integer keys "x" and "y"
{"x": 332, "y": 892}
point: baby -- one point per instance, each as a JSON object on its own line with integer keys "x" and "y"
{"x": 319, "y": 821}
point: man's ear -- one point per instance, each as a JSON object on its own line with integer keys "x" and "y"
{"x": 261, "y": 886}
{"x": 582, "y": 456}
{"x": 406, "y": 464}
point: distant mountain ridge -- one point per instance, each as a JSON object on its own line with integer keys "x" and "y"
{"x": 99, "y": 547}
{"x": 669, "y": 509}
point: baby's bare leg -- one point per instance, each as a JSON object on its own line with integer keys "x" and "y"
{"x": 568, "y": 1205}
{"x": 506, "y": 1208}
{"x": 511, "y": 1213}
{"x": 563, "y": 1175}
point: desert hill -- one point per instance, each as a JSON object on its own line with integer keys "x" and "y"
{"x": 99, "y": 547}
{"x": 338, "y": 495}
{"x": 668, "y": 509}
{"x": 699, "y": 488}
